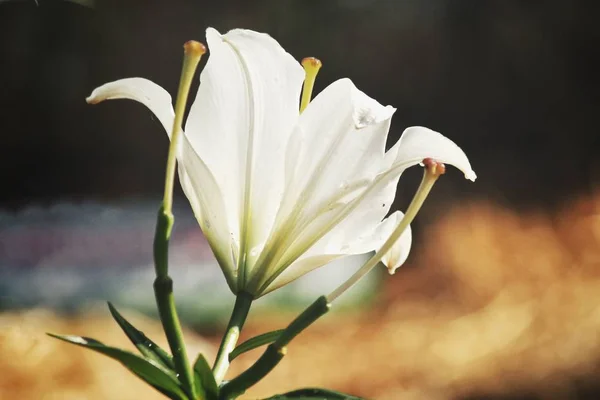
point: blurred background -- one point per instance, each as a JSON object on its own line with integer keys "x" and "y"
{"x": 500, "y": 296}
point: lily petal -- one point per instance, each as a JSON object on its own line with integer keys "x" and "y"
{"x": 343, "y": 134}
{"x": 142, "y": 90}
{"x": 299, "y": 268}
{"x": 398, "y": 254}
{"x": 372, "y": 241}
{"x": 197, "y": 181}
{"x": 240, "y": 124}
{"x": 340, "y": 139}
{"x": 418, "y": 143}
{"x": 206, "y": 200}
{"x": 360, "y": 231}
{"x": 337, "y": 149}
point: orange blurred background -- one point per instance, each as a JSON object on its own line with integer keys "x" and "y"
{"x": 496, "y": 305}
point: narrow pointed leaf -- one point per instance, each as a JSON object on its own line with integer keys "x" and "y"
{"x": 146, "y": 346}
{"x": 204, "y": 378}
{"x": 314, "y": 394}
{"x": 148, "y": 370}
{"x": 255, "y": 342}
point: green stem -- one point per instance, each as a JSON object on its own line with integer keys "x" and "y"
{"x": 163, "y": 284}
{"x": 192, "y": 53}
{"x": 274, "y": 352}
{"x": 163, "y": 291}
{"x": 240, "y": 311}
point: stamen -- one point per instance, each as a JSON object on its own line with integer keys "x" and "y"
{"x": 433, "y": 170}
{"x": 192, "y": 52}
{"x": 311, "y": 66}
{"x": 435, "y": 167}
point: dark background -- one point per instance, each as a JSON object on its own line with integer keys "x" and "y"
{"x": 512, "y": 82}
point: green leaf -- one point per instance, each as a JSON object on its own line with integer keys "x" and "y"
{"x": 150, "y": 371}
{"x": 314, "y": 394}
{"x": 146, "y": 346}
{"x": 204, "y": 379}
{"x": 255, "y": 342}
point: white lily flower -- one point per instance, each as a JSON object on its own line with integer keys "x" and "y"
{"x": 277, "y": 192}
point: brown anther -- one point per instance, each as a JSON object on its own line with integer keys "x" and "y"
{"x": 193, "y": 47}
{"x": 435, "y": 167}
{"x": 311, "y": 61}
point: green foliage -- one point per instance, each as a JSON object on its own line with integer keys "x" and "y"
{"x": 255, "y": 342}
{"x": 314, "y": 394}
{"x": 152, "y": 372}
{"x": 147, "y": 347}
{"x": 156, "y": 367}
{"x": 204, "y": 379}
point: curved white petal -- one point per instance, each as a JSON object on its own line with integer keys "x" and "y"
{"x": 206, "y": 200}
{"x": 340, "y": 139}
{"x": 197, "y": 181}
{"x": 418, "y": 143}
{"x": 367, "y": 242}
{"x": 352, "y": 226}
{"x": 157, "y": 99}
{"x": 398, "y": 254}
{"x": 337, "y": 149}
{"x": 240, "y": 124}
{"x": 299, "y": 268}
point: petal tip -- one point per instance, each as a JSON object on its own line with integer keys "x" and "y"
{"x": 368, "y": 111}
{"x": 92, "y": 99}
{"x": 213, "y": 37}
{"x": 100, "y": 94}
{"x": 212, "y": 31}
{"x": 471, "y": 175}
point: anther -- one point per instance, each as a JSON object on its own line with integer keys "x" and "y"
{"x": 194, "y": 48}
{"x": 311, "y": 62}
{"x": 311, "y": 67}
{"x": 434, "y": 167}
